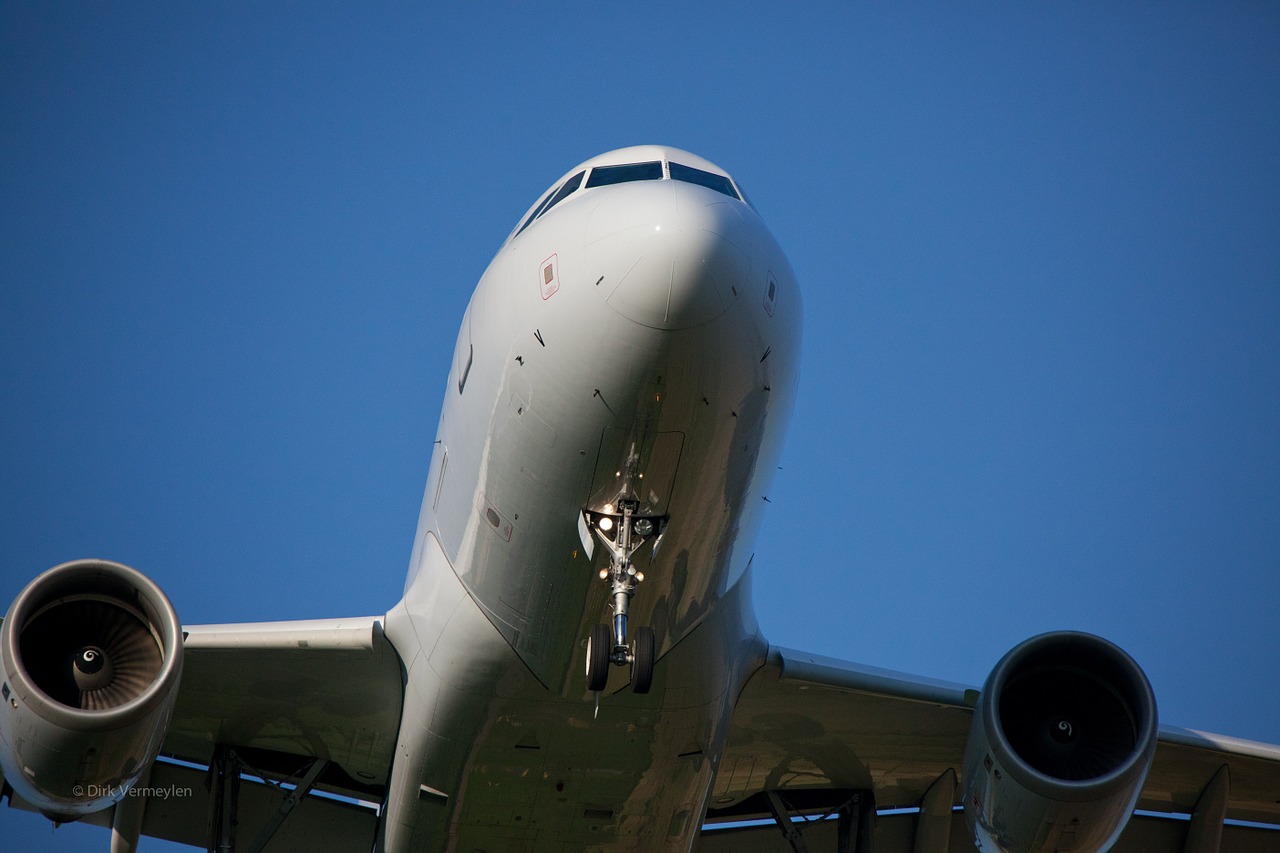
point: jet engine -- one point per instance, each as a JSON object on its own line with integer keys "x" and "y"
{"x": 1061, "y": 742}
{"x": 91, "y": 653}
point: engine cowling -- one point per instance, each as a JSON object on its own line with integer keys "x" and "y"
{"x": 91, "y": 653}
{"x": 1061, "y": 742}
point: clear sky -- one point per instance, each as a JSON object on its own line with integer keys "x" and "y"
{"x": 1039, "y": 246}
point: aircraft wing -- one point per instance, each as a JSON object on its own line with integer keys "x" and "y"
{"x": 810, "y": 735}
{"x": 274, "y": 708}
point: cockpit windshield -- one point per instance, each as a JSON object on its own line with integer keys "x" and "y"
{"x": 710, "y": 180}
{"x": 605, "y": 175}
{"x": 652, "y": 170}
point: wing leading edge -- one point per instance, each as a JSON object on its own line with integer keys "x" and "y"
{"x": 815, "y": 731}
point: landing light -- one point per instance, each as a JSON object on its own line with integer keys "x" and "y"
{"x": 606, "y": 524}
{"x": 644, "y": 527}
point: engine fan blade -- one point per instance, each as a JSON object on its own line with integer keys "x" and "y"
{"x": 90, "y": 653}
{"x": 1066, "y": 723}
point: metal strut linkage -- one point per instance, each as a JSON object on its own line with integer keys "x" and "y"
{"x": 855, "y": 823}
{"x": 622, "y": 530}
{"x": 623, "y": 582}
{"x": 224, "y": 782}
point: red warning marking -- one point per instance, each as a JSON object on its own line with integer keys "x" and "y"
{"x": 549, "y": 277}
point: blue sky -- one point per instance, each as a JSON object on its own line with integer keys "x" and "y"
{"x": 1039, "y": 246}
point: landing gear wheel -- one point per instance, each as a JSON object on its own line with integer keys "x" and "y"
{"x": 599, "y": 645}
{"x": 642, "y": 661}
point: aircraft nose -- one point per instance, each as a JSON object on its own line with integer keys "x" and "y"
{"x": 666, "y": 254}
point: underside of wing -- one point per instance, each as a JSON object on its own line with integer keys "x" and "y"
{"x": 826, "y": 749}
{"x": 328, "y": 689}
{"x": 1196, "y": 771}
{"x": 281, "y": 738}
{"x": 277, "y": 708}
{"x": 817, "y": 730}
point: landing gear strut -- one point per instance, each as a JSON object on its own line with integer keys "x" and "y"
{"x": 622, "y": 531}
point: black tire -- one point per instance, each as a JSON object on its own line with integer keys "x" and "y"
{"x": 599, "y": 647}
{"x": 642, "y": 661}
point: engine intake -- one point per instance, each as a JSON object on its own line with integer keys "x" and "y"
{"x": 91, "y": 653}
{"x": 1061, "y": 742}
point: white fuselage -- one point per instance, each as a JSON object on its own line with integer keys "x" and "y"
{"x": 650, "y": 326}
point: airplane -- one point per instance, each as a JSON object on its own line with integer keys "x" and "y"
{"x": 575, "y": 663}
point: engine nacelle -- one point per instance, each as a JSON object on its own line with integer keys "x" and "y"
{"x": 1062, "y": 739}
{"x": 91, "y": 653}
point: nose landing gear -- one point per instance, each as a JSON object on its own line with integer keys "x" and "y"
{"x": 622, "y": 532}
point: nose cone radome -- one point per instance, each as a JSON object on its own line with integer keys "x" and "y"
{"x": 666, "y": 254}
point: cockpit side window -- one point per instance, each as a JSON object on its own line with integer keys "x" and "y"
{"x": 604, "y": 175}
{"x": 690, "y": 175}
{"x": 537, "y": 210}
{"x": 565, "y": 191}
{"x": 553, "y": 198}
